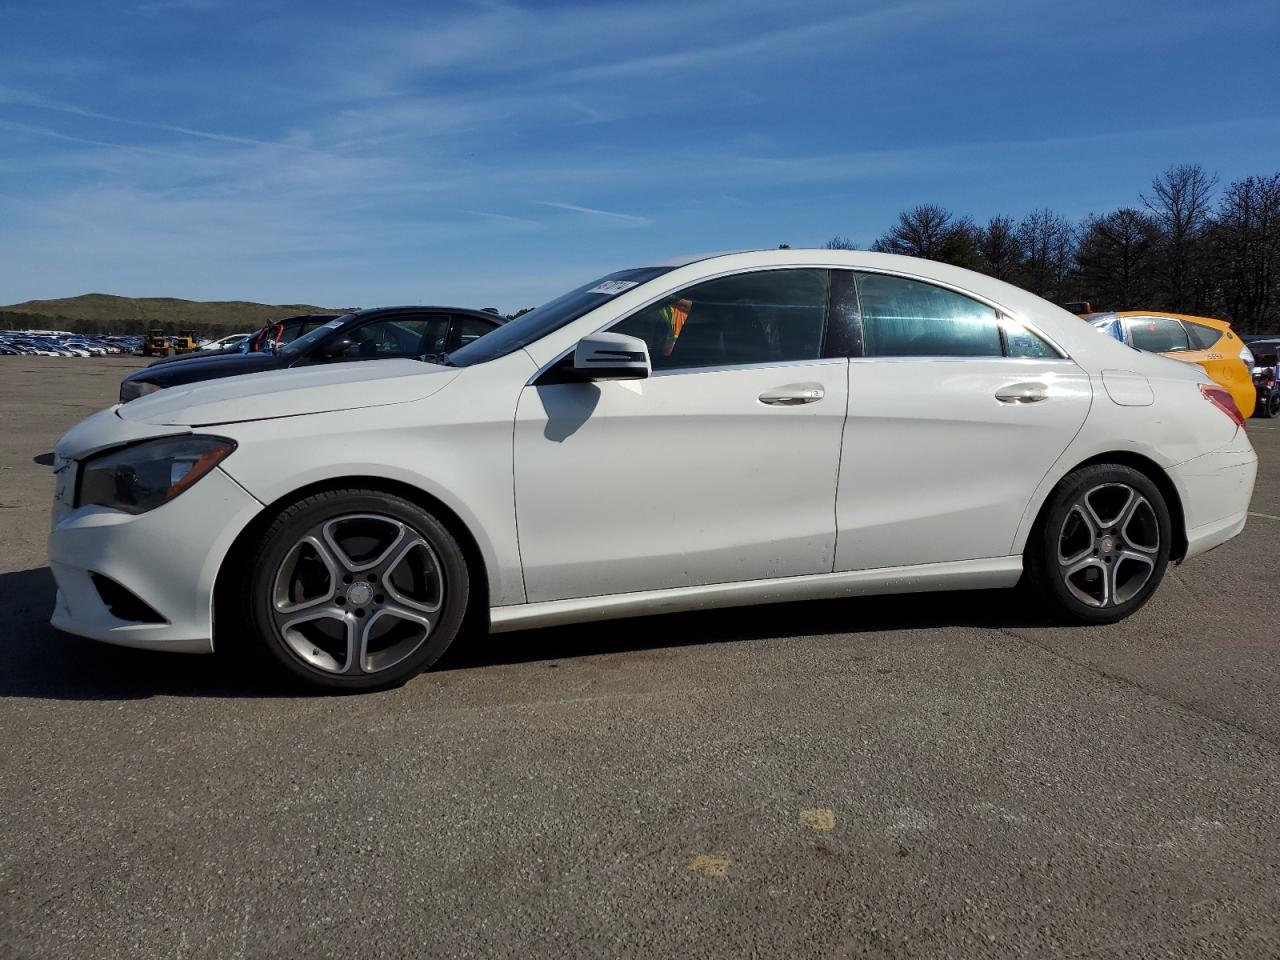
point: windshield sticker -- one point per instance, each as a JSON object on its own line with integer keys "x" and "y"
{"x": 613, "y": 287}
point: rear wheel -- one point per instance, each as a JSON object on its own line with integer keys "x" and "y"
{"x": 356, "y": 589}
{"x": 1102, "y": 545}
{"x": 1269, "y": 406}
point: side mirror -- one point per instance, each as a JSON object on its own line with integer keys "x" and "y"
{"x": 334, "y": 347}
{"x": 611, "y": 356}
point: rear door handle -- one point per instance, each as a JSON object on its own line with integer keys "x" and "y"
{"x": 1022, "y": 393}
{"x": 793, "y": 394}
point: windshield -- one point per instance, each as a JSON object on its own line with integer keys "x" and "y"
{"x": 303, "y": 343}
{"x": 551, "y": 316}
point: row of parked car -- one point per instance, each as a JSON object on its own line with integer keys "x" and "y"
{"x": 381, "y": 333}
{"x": 1246, "y": 366}
{"x": 56, "y": 343}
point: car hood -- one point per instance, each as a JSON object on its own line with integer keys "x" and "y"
{"x": 290, "y": 392}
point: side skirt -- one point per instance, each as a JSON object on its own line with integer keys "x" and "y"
{"x": 988, "y": 573}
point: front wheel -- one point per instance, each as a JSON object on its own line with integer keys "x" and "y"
{"x": 356, "y": 589}
{"x": 1102, "y": 545}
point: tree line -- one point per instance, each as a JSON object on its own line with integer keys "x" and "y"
{"x": 1186, "y": 247}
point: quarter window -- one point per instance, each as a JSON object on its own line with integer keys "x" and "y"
{"x": 1202, "y": 337}
{"x": 771, "y": 316}
{"x": 1157, "y": 334}
{"x": 467, "y": 329}
{"x": 907, "y": 318}
{"x": 1021, "y": 342}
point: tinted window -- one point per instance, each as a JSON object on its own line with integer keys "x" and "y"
{"x": 1202, "y": 337}
{"x": 409, "y": 335}
{"x": 551, "y": 316}
{"x": 1157, "y": 334}
{"x": 467, "y": 329}
{"x": 771, "y": 316}
{"x": 907, "y": 318}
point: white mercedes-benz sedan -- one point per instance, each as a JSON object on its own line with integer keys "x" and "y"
{"x": 732, "y": 429}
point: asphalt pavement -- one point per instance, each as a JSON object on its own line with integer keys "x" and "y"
{"x": 934, "y": 776}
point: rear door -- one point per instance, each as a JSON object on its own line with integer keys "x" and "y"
{"x": 956, "y": 413}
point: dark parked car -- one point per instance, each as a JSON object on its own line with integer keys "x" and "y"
{"x": 419, "y": 332}
{"x": 1266, "y": 376}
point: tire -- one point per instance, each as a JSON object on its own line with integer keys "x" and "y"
{"x": 1269, "y": 406}
{"x": 1101, "y": 545}
{"x": 356, "y": 589}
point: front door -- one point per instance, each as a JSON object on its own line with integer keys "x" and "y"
{"x": 720, "y": 467}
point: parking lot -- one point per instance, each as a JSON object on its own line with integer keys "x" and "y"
{"x": 928, "y": 776}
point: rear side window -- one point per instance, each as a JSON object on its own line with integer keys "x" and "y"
{"x": 1202, "y": 337}
{"x": 908, "y": 318}
{"x": 770, "y": 316}
{"x": 1157, "y": 334}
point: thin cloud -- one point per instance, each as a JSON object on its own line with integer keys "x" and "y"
{"x": 503, "y": 218}
{"x": 20, "y": 98}
{"x": 625, "y": 217}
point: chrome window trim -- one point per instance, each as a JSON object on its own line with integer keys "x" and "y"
{"x": 1004, "y": 311}
{"x": 947, "y": 359}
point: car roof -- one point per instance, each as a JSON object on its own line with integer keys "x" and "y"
{"x": 459, "y": 311}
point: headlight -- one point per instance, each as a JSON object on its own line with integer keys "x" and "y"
{"x": 1246, "y": 355}
{"x": 143, "y": 476}
{"x": 133, "y": 389}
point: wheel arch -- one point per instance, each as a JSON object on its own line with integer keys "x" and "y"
{"x": 1148, "y": 468}
{"x": 229, "y": 571}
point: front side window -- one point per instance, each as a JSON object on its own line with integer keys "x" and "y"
{"x": 908, "y": 318}
{"x": 402, "y": 336}
{"x": 769, "y": 316}
{"x": 1157, "y": 334}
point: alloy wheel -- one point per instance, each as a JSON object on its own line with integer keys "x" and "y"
{"x": 357, "y": 594}
{"x": 1109, "y": 545}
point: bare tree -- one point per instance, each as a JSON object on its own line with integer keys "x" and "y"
{"x": 1115, "y": 259}
{"x": 998, "y": 246}
{"x": 840, "y": 243}
{"x": 919, "y": 232}
{"x": 1180, "y": 205}
{"x": 1245, "y": 244}
{"x": 1047, "y": 244}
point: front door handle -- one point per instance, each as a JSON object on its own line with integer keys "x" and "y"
{"x": 1030, "y": 392}
{"x": 793, "y": 394}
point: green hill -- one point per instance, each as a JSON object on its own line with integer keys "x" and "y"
{"x": 104, "y": 313}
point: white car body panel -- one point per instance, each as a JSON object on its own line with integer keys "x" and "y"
{"x": 644, "y": 484}
{"x": 678, "y": 491}
{"x": 935, "y": 468}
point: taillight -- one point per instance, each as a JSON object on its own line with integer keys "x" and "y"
{"x": 1222, "y": 400}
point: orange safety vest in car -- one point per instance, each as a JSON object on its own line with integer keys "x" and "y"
{"x": 675, "y": 314}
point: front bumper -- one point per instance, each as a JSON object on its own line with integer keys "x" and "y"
{"x": 168, "y": 558}
{"x": 1215, "y": 490}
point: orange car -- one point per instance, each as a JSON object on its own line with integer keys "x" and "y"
{"x": 1202, "y": 340}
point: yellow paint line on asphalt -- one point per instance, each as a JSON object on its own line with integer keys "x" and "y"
{"x": 1265, "y": 516}
{"x": 818, "y": 819}
{"x": 709, "y": 866}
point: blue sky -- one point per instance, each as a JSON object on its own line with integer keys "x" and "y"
{"x": 497, "y": 153}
